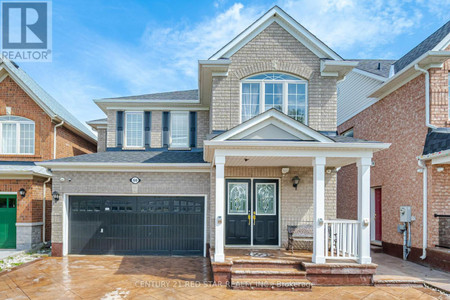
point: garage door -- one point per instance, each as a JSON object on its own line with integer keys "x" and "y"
{"x": 136, "y": 225}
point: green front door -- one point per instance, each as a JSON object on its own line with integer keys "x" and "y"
{"x": 8, "y": 221}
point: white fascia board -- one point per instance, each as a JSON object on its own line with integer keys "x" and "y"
{"x": 445, "y": 153}
{"x": 4, "y": 173}
{"x": 443, "y": 44}
{"x": 288, "y": 23}
{"x": 126, "y": 167}
{"x": 333, "y": 68}
{"x": 164, "y": 108}
{"x": 370, "y": 75}
{"x": 441, "y": 160}
{"x": 129, "y": 101}
{"x": 296, "y": 145}
{"x": 428, "y": 59}
{"x": 272, "y": 113}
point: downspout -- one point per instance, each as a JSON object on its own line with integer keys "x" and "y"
{"x": 425, "y": 208}
{"x": 43, "y": 208}
{"x": 427, "y": 95}
{"x": 423, "y": 165}
{"x": 54, "y": 138}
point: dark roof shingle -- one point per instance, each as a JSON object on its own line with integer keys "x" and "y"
{"x": 426, "y": 45}
{"x": 136, "y": 157}
{"x": 380, "y": 67}
{"x": 176, "y": 95}
{"x": 437, "y": 140}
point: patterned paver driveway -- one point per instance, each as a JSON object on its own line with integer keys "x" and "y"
{"x": 116, "y": 277}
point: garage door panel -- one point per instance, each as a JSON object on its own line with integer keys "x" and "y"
{"x": 136, "y": 225}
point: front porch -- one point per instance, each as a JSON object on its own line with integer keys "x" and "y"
{"x": 280, "y": 269}
{"x": 273, "y": 172}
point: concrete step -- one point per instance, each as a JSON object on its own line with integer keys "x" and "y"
{"x": 271, "y": 284}
{"x": 279, "y": 263}
{"x": 267, "y": 273}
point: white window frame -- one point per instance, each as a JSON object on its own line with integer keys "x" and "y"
{"x": 172, "y": 114}
{"x": 125, "y": 130}
{"x": 262, "y": 93}
{"x": 17, "y": 124}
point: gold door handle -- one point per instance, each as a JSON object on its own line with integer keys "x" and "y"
{"x": 249, "y": 218}
{"x": 254, "y": 218}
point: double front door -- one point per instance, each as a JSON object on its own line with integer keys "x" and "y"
{"x": 252, "y": 209}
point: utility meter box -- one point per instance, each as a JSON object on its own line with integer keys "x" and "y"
{"x": 405, "y": 213}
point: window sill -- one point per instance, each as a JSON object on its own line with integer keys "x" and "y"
{"x": 179, "y": 149}
{"x": 133, "y": 148}
{"x": 20, "y": 156}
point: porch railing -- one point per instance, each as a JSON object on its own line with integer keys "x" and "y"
{"x": 341, "y": 239}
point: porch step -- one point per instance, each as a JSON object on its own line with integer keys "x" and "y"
{"x": 271, "y": 284}
{"x": 272, "y": 263}
{"x": 267, "y": 273}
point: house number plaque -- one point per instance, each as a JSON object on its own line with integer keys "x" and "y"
{"x": 135, "y": 180}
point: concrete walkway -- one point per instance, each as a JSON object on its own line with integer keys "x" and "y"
{"x": 4, "y": 253}
{"x": 393, "y": 269}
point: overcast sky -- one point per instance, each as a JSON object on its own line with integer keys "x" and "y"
{"x": 117, "y": 48}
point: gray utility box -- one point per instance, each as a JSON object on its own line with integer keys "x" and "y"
{"x": 405, "y": 213}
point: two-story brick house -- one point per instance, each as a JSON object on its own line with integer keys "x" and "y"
{"x": 230, "y": 165}
{"x": 33, "y": 127}
{"x": 406, "y": 103}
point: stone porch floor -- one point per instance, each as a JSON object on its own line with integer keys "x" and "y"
{"x": 126, "y": 277}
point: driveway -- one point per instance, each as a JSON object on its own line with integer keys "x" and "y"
{"x": 130, "y": 277}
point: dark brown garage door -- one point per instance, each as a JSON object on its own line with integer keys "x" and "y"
{"x": 136, "y": 225}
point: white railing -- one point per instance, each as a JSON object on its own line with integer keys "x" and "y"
{"x": 341, "y": 239}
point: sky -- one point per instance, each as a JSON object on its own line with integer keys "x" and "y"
{"x": 115, "y": 48}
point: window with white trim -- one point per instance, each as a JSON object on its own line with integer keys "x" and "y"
{"x": 134, "y": 129}
{"x": 179, "y": 127}
{"x": 16, "y": 135}
{"x": 284, "y": 92}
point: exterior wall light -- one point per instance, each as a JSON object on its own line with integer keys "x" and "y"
{"x": 295, "y": 181}
{"x": 55, "y": 196}
{"x": 22, "y": 192}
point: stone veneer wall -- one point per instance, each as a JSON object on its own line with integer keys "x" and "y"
{"x": 296, "y": 205}
{"x": 274, "y": 50}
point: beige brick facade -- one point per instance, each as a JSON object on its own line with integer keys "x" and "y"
{"x": 274, "y": 50}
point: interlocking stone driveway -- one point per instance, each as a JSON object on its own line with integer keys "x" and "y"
{"x": 115, "y": 277}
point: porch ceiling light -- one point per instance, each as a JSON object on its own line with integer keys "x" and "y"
{"x": 295, "y": 181}
{"x": 22, "y": 192}
{"x": 55, "y": 196}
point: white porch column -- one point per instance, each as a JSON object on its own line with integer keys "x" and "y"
{"x": 219, "y": 255}
{"x": 364, "y": 164}
{"x": 319, "y": 210}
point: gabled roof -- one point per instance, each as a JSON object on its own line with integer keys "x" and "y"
{"x": 276, "y": 126}
{"x": 52, "y": 107}
{"x": 167, "y": 96}
{"x": 437, "y": 140}
{"x": 436, "y": 40}
{"x": 276, "y": 14}
{"x": 380, "y": 67}
{"x": 23, "y": 168}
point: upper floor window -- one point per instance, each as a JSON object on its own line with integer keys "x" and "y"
{"x": 16, "y": 135}
{"x": 284, "y": 92}
{"x": 179, "y": 129}
{"x": 134, "y": 129}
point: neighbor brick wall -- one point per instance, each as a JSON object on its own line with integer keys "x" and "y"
{"x": 399, "y": 118}
{"x": 71, "y": 144}
{"x": 296, "y": 206}
{"x": 273, "y": 50}
{"x": 439, "y": 95}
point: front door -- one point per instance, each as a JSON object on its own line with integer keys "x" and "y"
{"x": 252, "y": 212}
{"x": 378, "y": 214}
{"x": 8, "y": 221}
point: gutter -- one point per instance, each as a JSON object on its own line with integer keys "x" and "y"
{"x": 423, "y": 166}
{"x": 427, "y": 95}
{"x": 43, "y": 208}
{"x": 54, "y": 138}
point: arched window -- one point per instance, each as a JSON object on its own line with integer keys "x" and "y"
{"x": 284, "y": 92}
{"x": 16, "y": 135}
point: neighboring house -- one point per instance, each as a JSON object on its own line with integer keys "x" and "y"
{"x": 406, "y": 103}
{"x": 33, "y": 127}
{"x": 229, "y": 165}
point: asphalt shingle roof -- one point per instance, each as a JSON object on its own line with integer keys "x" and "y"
{"x": 48, "y": 100}
{"x": 150, "y": 157}
{"x": 437, "y": 140}
{"x": 176, "y": 95}
{"x": 426, "y": 45}
{"x": 379, "y": 67}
